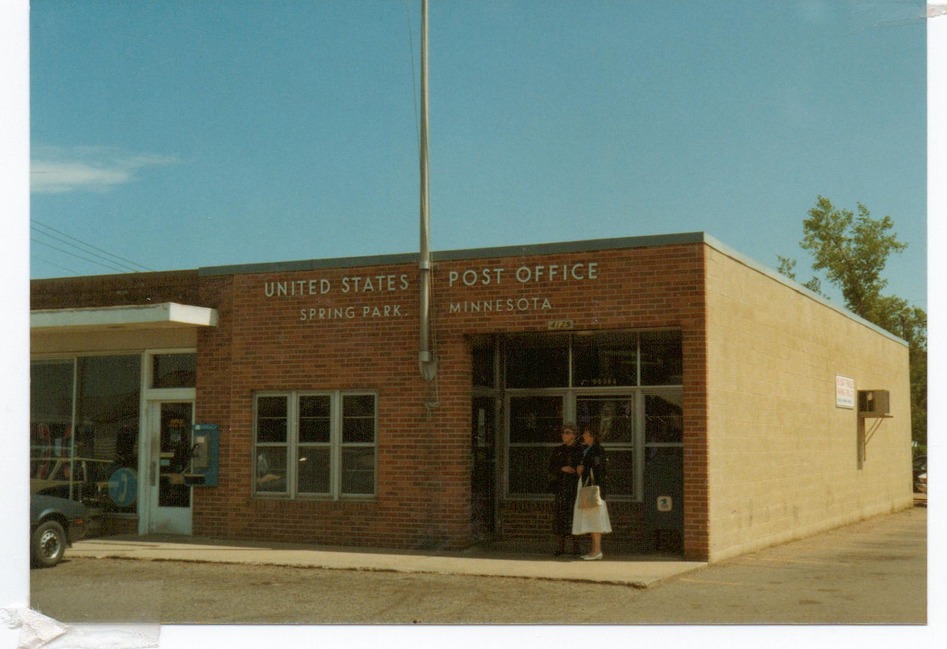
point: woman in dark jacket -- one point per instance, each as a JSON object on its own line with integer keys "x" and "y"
{"x": 565, "y": 479}
{"x": 595, "y": 521}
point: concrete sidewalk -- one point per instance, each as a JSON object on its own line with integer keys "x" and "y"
{"x": 635, "y": 571}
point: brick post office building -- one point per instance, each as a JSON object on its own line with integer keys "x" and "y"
{"x": 739, "y": 410}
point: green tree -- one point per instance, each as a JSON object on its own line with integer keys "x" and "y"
{"x": 852, "y": 251}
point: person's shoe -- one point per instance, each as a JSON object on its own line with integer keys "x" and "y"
{"x": 592, "y": 557}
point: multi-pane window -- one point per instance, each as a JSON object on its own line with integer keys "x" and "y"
{"x": 624, "y": 384}
{"x": 315, "y": 444}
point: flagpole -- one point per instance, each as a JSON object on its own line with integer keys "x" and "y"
{"x": 426, "y": 358}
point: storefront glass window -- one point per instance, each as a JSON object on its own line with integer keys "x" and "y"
{"x": 84, "y": 426}
{"x": 535, "y": 424}
{"x": 662, "y": 358}
{"x": 174, "y": 371}
{"x": 613, "y": 417}
{"x": 108, "y": 405}
{"x": 604, "y": 360}
{"x": 537, "y": 361}
{"x": 664, "y": 418}
{"x": 51, "y": 388}
{"x": 483, "y": 374}
{"x": 608, "y": 372}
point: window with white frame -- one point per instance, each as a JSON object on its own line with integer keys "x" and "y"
{"x": 315, "y": 444}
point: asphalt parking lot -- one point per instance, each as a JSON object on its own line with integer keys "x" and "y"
{"x": 869, "y": 573}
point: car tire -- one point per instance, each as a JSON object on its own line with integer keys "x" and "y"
{"x": 47, "y": 544}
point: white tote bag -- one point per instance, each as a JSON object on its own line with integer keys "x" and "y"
{"x": 591, "y": 519}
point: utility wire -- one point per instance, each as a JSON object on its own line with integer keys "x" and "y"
{"x": 52, "y": 263}
{"x": 72, "y": 254}
{"x": 86, "y": 248}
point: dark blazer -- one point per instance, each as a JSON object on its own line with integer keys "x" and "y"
{"x": 594, "y": 461}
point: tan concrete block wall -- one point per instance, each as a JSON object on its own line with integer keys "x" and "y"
{"x": 784, "y": 460}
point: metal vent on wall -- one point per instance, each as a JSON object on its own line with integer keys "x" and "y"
{"x": 874, "y": 403}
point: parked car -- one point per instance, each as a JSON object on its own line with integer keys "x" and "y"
{"x": 80, "y": 478}
{"x": 55, "y": 524}
{"x": 920, "y": 474}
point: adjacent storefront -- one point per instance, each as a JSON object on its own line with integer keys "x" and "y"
{"x": 284, "y": 401}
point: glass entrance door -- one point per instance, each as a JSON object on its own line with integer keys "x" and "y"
{"x": 483, "y": 478}
{"x": 170, "y": 429}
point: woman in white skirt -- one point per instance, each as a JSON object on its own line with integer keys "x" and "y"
{"x": 594, "y": 520}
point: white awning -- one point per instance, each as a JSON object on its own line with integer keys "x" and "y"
{"x": 151, "y": 316}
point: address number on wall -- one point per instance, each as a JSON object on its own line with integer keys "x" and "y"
{"x": 560, "y": 325}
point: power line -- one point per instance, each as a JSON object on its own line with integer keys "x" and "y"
{"x": 52, "y": 263}
{"x": 110, "y": 259}
{"x": 72, "y": 254}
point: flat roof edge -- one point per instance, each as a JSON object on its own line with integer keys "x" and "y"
{"x": 647, "y": 241}
{"x": 164, "y": 313}
{"x": 796, "y": 286}
{"x": 588, "y": 245}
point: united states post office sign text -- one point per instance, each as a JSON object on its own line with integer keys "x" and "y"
{"x": 457, "y": 280}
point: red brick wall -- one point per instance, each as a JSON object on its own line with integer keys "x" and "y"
{"x": 115, "y": 290}
{"x": 423, "y": 460}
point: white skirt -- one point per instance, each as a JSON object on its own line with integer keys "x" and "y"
{"x": 591, "y": 519}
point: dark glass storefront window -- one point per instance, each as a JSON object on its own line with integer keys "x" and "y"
{"x": 535, "y": 419}
{"x": 50, "y": 405}
{"x": 664, "y": 419}
{"x": 75, "y": 460}
{"x": 537, "y": 361}
{"x": 51, "y": 387}
{"x": 662, "y": 358}
{"x": 174, "y": 371}
{"x": 535, "y": 424}
{"x": 611, "y": 416}
{"x": 604, "y": 360}
{"x": 483, "y": 374}
{"x": 605, "y": 389}
{"x": 108, "y": 405}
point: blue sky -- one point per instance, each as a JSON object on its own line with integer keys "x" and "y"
{"x": 186, "y": 133}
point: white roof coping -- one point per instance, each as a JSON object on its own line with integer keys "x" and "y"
{"x": 150, "y": 316}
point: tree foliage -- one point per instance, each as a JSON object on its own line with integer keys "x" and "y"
{"x": 852, "y": 252}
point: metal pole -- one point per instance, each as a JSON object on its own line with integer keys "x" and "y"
{"x": 426, "y": 359}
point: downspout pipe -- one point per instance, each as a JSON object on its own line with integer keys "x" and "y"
{"x": 426, "y": 359}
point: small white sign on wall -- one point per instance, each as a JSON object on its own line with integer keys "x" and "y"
{"x": 844, "y": 392}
